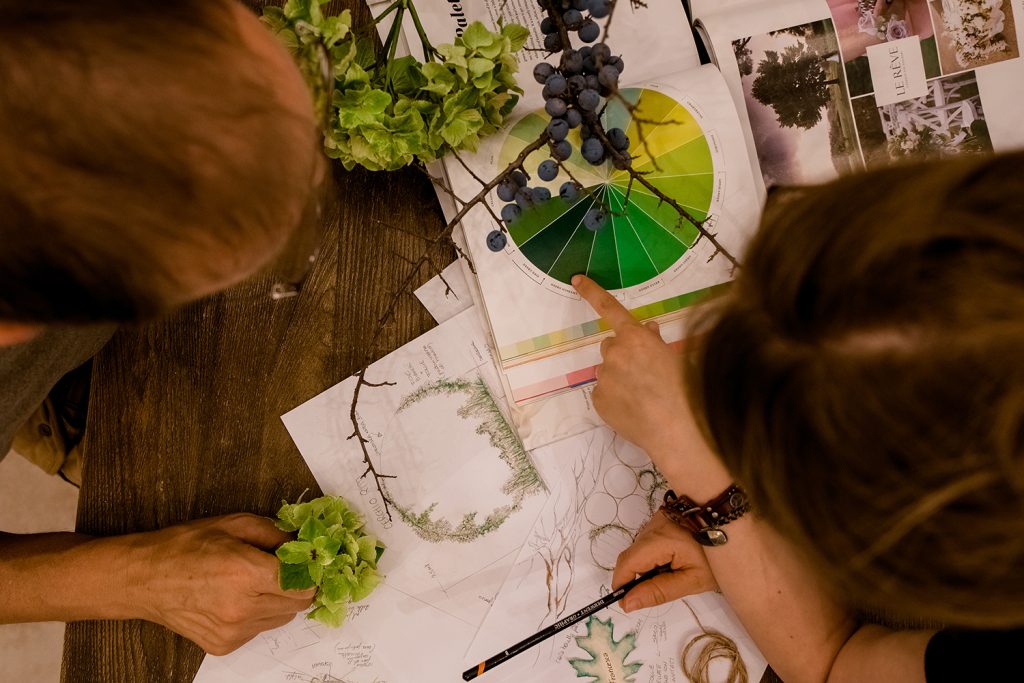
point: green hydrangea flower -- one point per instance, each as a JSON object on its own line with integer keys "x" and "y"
{"x": 389, "y": 112}
{"x": 332, "y": 552}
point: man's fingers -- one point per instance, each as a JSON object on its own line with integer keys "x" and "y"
{"x": 664, "y": 588}
{"x": 254, "y": 530}
{"x": 603, "y": 303}
{"x": 276, "y": 605}
{"x": 653, "y": 326}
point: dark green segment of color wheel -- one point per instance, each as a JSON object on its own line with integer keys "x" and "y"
{"x": 545, "y": 246}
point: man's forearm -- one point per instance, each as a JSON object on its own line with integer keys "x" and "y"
{"x": 64, "y": 577}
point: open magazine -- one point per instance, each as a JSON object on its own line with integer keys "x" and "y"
{"x": 801, "y": 91}
{"x": 832, "y": 87}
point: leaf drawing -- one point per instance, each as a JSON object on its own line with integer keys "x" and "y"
{"x": 607, "y": 663}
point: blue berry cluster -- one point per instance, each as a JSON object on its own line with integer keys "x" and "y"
{"x": 573, "y": 93}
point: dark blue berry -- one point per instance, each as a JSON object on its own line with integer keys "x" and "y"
{"x": 542, "y": 72}
{"x": 557, "y": 85}
{"x": 519, "y": 178}
{"x": 561, "y": 150}
{"x": 572, "y": 62}
{"x": 598, "y": 8}
{"x": 496, "y": 239}
{"x": 589, "y": 31}
{"x": 558, "y": 129}
{"x": 555, "y": 107}
{"x": 507, "y": 190}
{"x": 553, "y": 42}
{"x": 510, "y": 213}
{"x": 541, "y": 194}
{"x": 588, "y": 100}
{"x": 574, "y": 118}
{"x": 568, "y": 191}
{"x": 525, "y": 198}
{"x": 608, "y": 76}
{"x": 548, "y": 170}
{"x": 594, "y": 219}
{"x": 618, "y": 138}
{"x": 593, "y": 151}
{"x": 573, "y": 19}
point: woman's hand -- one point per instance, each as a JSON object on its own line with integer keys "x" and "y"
{"x": 661, "y": 542}
{"x": 641, "y": 395}
{"x": 639, "y": 390}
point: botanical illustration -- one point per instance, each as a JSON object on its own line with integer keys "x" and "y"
{"x": 615, "y": 490}
{"x": 607, "y": 656}
{"x": 523, "y": 481}
{"x": 795, "y": 90}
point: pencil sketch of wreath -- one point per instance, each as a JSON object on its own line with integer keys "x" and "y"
{"x": 523, "y": 481}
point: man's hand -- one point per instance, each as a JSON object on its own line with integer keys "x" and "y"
{"x": 213, "y": 581}
{"x": 639, "y": 390}
{"x": 661, "y": 542}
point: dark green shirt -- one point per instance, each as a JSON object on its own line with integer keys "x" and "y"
{"x": 29, "y": 370}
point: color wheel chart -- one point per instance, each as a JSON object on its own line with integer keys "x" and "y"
{"x": 643, "y": 237}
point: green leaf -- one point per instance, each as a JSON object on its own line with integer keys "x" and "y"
{"x": 295, "y": 552}
{"x": 477, "y": 35}
{"x": 479, "y": 66}
{"x": 311, "y": 529}
{"x": 294, "y": 577}
{"x": 517, "y": 36}
{"x": 326, "y": 549}
{"x": 337, "y": 590}
{"x": 316, "y": 572}
{"x": 365, "y": 585}
{"x": 325, "y": 616}
{"x": 368, "y": 549}
{"x": 405, "y": 75}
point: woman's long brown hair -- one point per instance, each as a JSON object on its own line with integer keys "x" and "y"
{"x": 864, "y": 381}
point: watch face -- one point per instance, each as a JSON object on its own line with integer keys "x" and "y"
{"x": 711, "y": 536}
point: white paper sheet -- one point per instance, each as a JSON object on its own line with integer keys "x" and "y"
{"x": 606, "y": 490}
{"x": 462, "y": 496}
{"x": 446, "y": 295}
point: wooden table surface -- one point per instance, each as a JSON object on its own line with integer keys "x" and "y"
{"x": 184, "y": 420}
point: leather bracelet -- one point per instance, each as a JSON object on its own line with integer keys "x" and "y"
{"x": 705, "y": 521}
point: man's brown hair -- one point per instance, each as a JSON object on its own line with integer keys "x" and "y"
{"x": 864, "y": 381}
{"x": 137, "y": 139}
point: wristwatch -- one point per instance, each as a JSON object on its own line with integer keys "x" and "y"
{"x": 705, "y": 521}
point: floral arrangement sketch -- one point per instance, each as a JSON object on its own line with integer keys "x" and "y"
{"x": 599, "y": 515}
{"x": 607, "y": 662}
{"x": 523, "y": 481}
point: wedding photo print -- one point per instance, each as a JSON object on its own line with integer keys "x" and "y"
{"x": 861, "y": 24}
{"x": 974, "y": 33}
{"x": 796, "y": 94}
{"x": 947, "y": 122}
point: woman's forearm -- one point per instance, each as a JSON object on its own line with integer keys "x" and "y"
{"x": 788, "y": 611}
